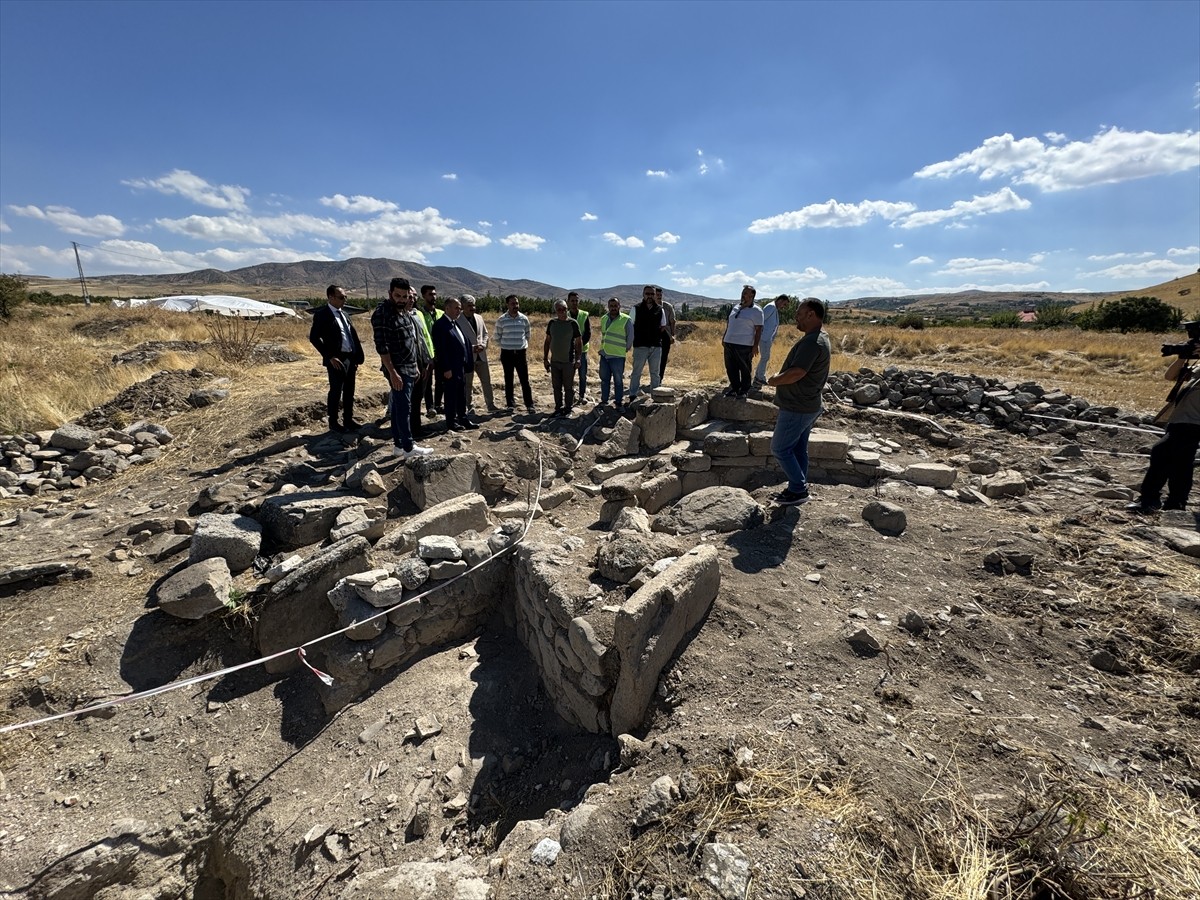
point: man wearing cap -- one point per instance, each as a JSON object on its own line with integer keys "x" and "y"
{"x": 742, "y": 334}
{"x": 585, "y": 330}
{"x": 397, "y": 342}
{"x": 616, "y": 334}
{"x": 474, "y": 329}
{"x": 341, "y": 355}
{"x": 669, "y": 337}
{"x": 773, "y": 313}
{"x": 512, "y": 334}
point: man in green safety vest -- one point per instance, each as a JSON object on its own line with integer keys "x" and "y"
{"x": 616, "y": 334}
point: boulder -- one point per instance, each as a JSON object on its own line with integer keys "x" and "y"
{"x": 196, "y": 591}
{"x": 625, "y": 553}
{"x": 466, "y": 513}
{"x": 887, "y": 518}
{"x": 933, "y": 475}
{"x": 72, "y": 437}
{"x": 722, "y": 509}
{"x": 656, "y": 422}
{"x": 1005, "y": 483}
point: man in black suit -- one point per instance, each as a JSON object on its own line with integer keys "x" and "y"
{"x": 341, "y": 355}
{"x": 451, "y": 358}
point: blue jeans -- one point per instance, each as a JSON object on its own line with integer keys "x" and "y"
{"x": 582, "y": 376}
{"x": 401, "y": 426}
{"x": 642, "y": 357}
{"x": 612, "y": 369}
{"x": 789, "y": 444}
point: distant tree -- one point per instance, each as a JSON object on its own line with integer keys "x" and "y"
{"x": 13, "y": 292}
{"x": 1053, "y": 315}
{"x": 683, "y": 311}
{"x": 1130, "y": 314}
{"x": 909, "y": 320}
{"x": 1006, "y": 319}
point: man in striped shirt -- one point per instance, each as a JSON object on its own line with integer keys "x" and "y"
{"x": 512, "y": 334}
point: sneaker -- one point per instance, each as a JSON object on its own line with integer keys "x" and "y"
{"x": 352, "y": 425}
{"x": 418, "y": 450}
{"x": 557, "y": 414}
{"x": 741, "y": 395}
{"x": 530, "y": 410}
{"x": 760, "y": 382}
{"x": 457, "y": 426}
{"x": 400, "y": 452}
{"x": 1137, "y": 506}
{"x": 730, "y": 392}
{"x": 789, "y": 498}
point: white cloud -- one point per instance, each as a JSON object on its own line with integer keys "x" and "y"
{"x": 1174, "y": 251}
{"x": 1109, "y": 257}
{"x": 192, "y": 187}
{"x": 862, "y": 286}
{"x": 719, "y": 266}
{"x": 629, "y": 265}
{"x": 66, "y": 219}
{"x": 967, "y": 265}
{"x": 661, "y": 250}
{"x": 705, "y": 168}
{"x": 1151, "y": 269}
{"x": 831, "y": 214}
{"x": 1109, "y": 157}
{"x": 655, "y": 173}
{"x": 358, "y": 204}
{"x": 450, "y": 176}
{"x": 217, "y": 229}
{"x": 632, "y": 242}
{"x": 4, "y": 227}
{"x": 1055, "y": 137}
{"x": 686, "y": 281}
{"x": 920, "y": 261}
{"x": 1196, "y": 95}
{"x": 725, "y": 278}
{"x": 484, "y": 224}
{"x": 1004, "y": 200}
{"x": 588, "y": 217}
{"x": 666, "y": 238}
{"x": 897, "y": 246}
{"x": 809, "y": 275}
{"x": 519, "y": 240}
{"x": 667, "y": 268}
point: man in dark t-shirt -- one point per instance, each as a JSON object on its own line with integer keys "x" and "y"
{"x": 798, "y": 395}
{"x": 561, "y": 352}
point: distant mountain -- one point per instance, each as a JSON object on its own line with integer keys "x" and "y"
{"x": 361, "y": 277}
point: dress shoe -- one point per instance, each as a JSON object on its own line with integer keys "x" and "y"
{"x": 351, "y": 425}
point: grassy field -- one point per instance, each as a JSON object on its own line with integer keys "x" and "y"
{"x": 57, "y": 361}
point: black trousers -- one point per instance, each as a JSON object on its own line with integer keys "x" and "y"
{"x": 340, "y": 400}
{"x": 662, "y": 364}
{"x": 1172, "y": 462}
{"x": 514, "y": 361}
{"x": 738, "y": 359}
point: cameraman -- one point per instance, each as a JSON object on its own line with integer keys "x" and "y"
{"x": 1173, "y": 458}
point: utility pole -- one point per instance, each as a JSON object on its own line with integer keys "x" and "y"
{"x": 87, "y": 298}
{"x": 367, "y": 286}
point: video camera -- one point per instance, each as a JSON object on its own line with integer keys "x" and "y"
{"x": 1191, "y": 348}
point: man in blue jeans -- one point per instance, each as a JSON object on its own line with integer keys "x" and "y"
{"x": 798, "y": 395}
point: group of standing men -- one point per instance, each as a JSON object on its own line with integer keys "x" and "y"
{"x": 437, "y": 354}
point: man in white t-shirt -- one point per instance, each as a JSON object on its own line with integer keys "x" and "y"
{"x": 743, "y": 332}
{"x": 773, "y": 313}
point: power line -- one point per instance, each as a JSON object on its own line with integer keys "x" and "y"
{"x": 130, "y": 255}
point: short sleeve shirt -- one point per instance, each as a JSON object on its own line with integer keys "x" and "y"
{"x": 742, "y": 322}
{"x": 810, "y": 353}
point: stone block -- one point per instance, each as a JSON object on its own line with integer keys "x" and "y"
{"x": 452, "y": 517}
{"x": 656, "y": 422}
{"x": 824, "y": 444}
{"x": 726, "y": 444}
{"x": 431, "y": 480}
{"x": 197, "y": 591}
{"x": 934, "y": 475}
{"x": 291, "y": 521}
{"x": 651, "y": 627}
{"x": 236, "y": 539}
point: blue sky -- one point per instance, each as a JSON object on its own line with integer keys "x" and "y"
{"x": 836, "y": 150}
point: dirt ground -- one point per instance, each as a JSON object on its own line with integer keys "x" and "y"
{"x": 1025, "y": 698}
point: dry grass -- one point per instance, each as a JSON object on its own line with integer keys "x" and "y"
{"x": 1065, "y": 840}
{"x": 57, "y": 362}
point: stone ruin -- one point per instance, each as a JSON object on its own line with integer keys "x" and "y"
{"x": 599, "y": 626}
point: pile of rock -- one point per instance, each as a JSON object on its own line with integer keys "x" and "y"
{"x": 985, "y": 401}
{"x": 71, "y": 456}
